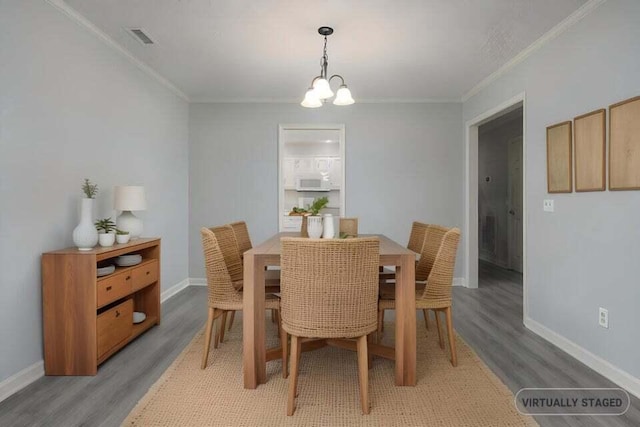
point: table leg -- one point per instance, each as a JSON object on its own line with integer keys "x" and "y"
{"x": 253, "y": 332}
{"x": 406, "y": 322}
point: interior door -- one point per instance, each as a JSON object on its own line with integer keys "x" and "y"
{"x": 515, "y": 227}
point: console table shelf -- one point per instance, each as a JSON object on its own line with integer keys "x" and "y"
{"x": 87, "y": 319}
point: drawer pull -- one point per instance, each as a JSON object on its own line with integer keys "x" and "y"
{"x": 117, "y": 313}
{"x": 108, "y": 288}
{"x": 127, "y": 278}
{"x": 148, "y": 272}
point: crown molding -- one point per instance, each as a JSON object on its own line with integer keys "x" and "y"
{"x": 205, "y": 100}
{"x": 560, "y": 28}
{"x": 79, "y": 19}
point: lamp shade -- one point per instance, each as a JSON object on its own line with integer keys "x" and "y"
{"x": 322, "y": 89}
{"x": 311, "y": 100}
{"x": 343, "y": 97}
{"x": 129, "y": 198}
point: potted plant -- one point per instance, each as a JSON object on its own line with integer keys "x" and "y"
{"x": 315, "y": 221}
{"x": 106, "y": 228}
{"x": 85, "y": 236}
{"x": 122, "y": 236}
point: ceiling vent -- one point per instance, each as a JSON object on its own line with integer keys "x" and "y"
{"x": 139, "y": 34}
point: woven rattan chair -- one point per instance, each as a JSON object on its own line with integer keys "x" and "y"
{"x": 349, "y": 226}
{"x": 230, "y": 245}
{"x": 224, "y": 297}
{"x": 416, "y": 237}
{"x": 436, "y": 294}
{"x": 242, "y": 236}
{"x": 320, "y": 300}
{"x": 417, "y": 242}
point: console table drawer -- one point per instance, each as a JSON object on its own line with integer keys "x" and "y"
{"x": 114, "y": 326}
{"x": 145, "y": 275}
{"x": 113, "y": 288}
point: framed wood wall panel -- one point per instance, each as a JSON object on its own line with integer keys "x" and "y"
{"x": 590, "y": 152}
{"x": 559, "y": 163}
{"x": 624, "y": 145}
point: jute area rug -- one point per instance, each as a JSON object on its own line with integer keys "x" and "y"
{"x": 468, "y": 395}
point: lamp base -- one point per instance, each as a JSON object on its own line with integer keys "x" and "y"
{"x": 131, "y": 223}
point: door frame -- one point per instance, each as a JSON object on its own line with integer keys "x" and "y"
{"x": 310, "y": 126}
{"x": 510, "y": 225}
{"x": 471, "y": 191}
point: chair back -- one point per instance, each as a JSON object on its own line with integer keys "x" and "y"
{"x": 432, "y": 237}
{"x": 227, "y": 241}
{"x": 242, "y": 236}
{"x": 349, "y": 226}
{"x": 329, "y": 288}
{"x": 438, "y": 288}
{"x": 416, "y": 238}
{"x": 222, "y": 294}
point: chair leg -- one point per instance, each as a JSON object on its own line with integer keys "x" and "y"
{"x": 207, "y": 337}
{"x": 371, "y": 338}
{"x": 233, "y": 316}
{"x": 284, "y": 338}
{"x": 363, "y": 373}
{"x": 223, "y": 321}
{"x": 216, "y": 340}
{"x": 274, "y": 318}
{"x": 299, "y": 354}
{"x": 452, "y": 337}
{"x": 426, "y": 318}
{"x": 380, "y": 321}
{"x": 440, "y": 339}
{"x": 293, "y": 378}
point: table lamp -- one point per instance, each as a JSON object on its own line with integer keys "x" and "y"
{"x": 127, "y": 198}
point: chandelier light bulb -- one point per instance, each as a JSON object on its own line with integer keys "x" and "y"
{"x": 343, "y": 97}
{"x": 311, "y": 100}
{"x": 322, "y": 88}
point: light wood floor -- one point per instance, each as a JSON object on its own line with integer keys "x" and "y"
{"x": 488, "y": 318}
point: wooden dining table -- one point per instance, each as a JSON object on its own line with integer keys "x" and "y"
{"x": 255, "y": 356}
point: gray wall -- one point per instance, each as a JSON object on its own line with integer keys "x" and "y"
{"x": 493, "y": 150}
{"x": 404, "y": 162}
{"x": 70, "y": 108}
{"x": 585, "y": 254}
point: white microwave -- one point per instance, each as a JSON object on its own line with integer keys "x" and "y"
{"x": 313, "y": 183}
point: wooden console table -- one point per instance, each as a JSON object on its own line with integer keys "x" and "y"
{"x": 86, "y": 319}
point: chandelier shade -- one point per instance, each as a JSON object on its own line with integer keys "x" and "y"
{"x": 311, "y": 99}
{"x": 320, "y": 89}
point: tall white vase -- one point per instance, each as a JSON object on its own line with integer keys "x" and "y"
{"x": 327, "y": 227}
{"x": 85, "y": 235}
{"x": 315, "y": 226}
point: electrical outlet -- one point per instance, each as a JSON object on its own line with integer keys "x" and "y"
{"x": 548, "y": 205}
{"x": 603, "y": 317}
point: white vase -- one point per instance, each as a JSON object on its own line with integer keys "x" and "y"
{"x": 106, "y": 239}
{"x": 328, "y": 231}
{"x": 314, "y": 226}
{"x": 85, "y": 235}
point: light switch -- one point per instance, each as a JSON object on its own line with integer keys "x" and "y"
{"x": 548, "y": 205}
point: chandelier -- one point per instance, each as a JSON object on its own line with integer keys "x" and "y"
{"x": 320, "y": 89}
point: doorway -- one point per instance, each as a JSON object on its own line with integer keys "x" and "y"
{"x": 500, "y": 191}
{"x": 472, "y": 220}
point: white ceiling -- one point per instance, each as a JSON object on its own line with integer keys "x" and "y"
{"x": 270, "y": 50}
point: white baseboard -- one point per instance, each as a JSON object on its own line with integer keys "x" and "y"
{"x": 197, "y": 281}
{"x": 459, "y": 281}
{"x": 165, "y": 295}
{"x": 20, "y": 380}
{"x": 598, "y": 364}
